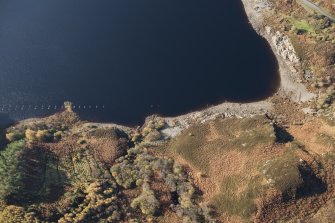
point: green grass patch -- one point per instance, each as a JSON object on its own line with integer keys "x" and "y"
{"x": 234, "y": 202}
{"x": 329, "y": 120}
{"x": 301, "y": 25}
{"x": 196, "y": 146}
{"x": 251, "y": 139}
{"x": 283, "y": 173}
{"x": 330, "y": 157}
{"x": 246, "y": 134}
{"x": 189, "y": 145}
{"x": 238, "y": 193}
{"x": 326, "y": 140}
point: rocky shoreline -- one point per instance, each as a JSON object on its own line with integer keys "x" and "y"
{"x": 264, "y": 161}
{"x": 288, "y": 61}
{"x": 289, "y": 70}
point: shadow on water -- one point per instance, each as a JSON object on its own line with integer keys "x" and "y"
{"x": 5, "y": 120}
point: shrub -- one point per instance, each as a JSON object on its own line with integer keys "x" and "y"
{"x": 136, "y": 137}
{"x": 15, "y": 214}
{"x": 81, "y": 141}
{"x": 43, "y": 136}
{"x": 124, "y": 175}
{"x": 100, "y": 204}
{"x": 147, "y": 201}
{"x": 30, "y": 135}
{"x": 138, "y": 168}
{"x": 152, "y": 136}
{"x": 58, "y": 135}
{"x": 68, "y": 106}
{"x": 14, "y": 136}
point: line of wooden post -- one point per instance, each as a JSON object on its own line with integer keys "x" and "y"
{"x": 9, "y": 107}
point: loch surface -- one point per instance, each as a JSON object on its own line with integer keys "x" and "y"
{"x": 135, "y": 58}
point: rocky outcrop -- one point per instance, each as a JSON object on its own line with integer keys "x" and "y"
{"x": 288, "y": 61}
{"x": 284, "y": 48}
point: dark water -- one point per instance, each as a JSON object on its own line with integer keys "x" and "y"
{"x": 134, "y": 57}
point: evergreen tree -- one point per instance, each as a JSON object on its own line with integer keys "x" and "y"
{"x": 11, "y": 170}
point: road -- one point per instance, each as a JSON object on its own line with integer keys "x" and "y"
{"x": 317, "y": 9}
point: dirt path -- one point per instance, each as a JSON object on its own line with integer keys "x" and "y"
{"x": 316, "y": 8}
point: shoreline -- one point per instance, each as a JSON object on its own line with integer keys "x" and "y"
{"x": 290, "y": 86}
{"x": 289, "y": 68}
{"x": 288, "y": 62}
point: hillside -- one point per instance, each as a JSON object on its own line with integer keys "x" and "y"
{"x": 268, "y": 161}
{"x": 225, "y": 169}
